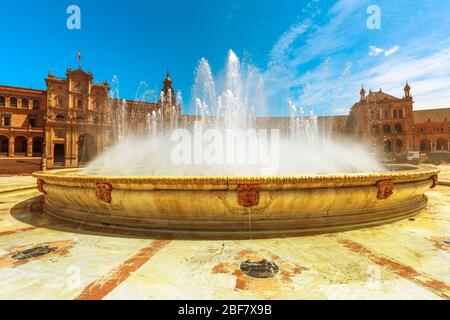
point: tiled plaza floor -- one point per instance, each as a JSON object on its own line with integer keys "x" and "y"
{"x": 16, "y": 182}
{"x": 406, "y": 260}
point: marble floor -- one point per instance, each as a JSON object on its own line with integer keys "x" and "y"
{"x": 44, "y": 258}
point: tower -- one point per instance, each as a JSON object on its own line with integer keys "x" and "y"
{"x": 167, "y": 92}
{"x": 168, "y": 103}
{"x": 407, "y": 90}
{"x": 362, "y": 93}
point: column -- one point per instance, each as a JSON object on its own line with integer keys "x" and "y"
{"x": 49, "y": 146}
{"x": 75, "y": 148}
{"x": 11, "y": 147}
{"x": 29, "y": 146}
{"x": 67, "y": 148}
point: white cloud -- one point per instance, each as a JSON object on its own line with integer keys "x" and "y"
{"x": 428, "y": 76}
{"x": 391, "y": 51}
{"x": 332, "y": 86}
{"x": 374, "y": 51}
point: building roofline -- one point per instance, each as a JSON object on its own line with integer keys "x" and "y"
{"x": 22, "y": 89}
{"x": 135, "y": 101}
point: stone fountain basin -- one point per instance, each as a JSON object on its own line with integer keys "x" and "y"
{"x": 230, "y": 205}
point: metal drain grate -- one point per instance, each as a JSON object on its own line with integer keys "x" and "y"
{"x": 260, "y": 269}
{"x": 33, "y": 252}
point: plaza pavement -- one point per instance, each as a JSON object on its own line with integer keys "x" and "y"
{"x": 408, "y": 259}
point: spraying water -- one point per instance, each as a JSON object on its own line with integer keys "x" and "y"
{"x": 223, "y": 137}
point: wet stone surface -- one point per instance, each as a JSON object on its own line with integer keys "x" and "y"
{"x": 33, "y": 253}
{"x": 259, "y": 269}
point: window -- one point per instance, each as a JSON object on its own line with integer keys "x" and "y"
{"x": 395, "y": 114}
{"x": 387, "y": 128}
{"x": 7, "y": 121}
{"x": 25, "y": 103}
{"x": 386, "y": 115}
{"x": 59, "y": 101}
{"x": 400, "y": 114}
{"x": 13, "y": 102}
{"x": 398, "y": 128}
{"x": 2, "y": 101}
{"x": 36, "y": 104}
{"x": 79, "y": 103}
{"x": 32, "y": 122}
{"x": 97, "y": 106}
{"x": 59, "y": 117}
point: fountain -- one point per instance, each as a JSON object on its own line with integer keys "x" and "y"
{"x": 222, "y": 172}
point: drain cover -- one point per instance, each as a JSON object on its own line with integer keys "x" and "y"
{"x": 33, "y": 252}
{"x": 259, "y": 269}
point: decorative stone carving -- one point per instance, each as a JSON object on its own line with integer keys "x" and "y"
{"x": 434, "y": 180}
{"x": 40, "y": 186}
{"x": 103, "y": 192}
{"x": 385, "y": 189}
{"x": 248, "y": 195}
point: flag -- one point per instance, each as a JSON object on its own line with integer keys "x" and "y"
{"x": 79, "y": 56}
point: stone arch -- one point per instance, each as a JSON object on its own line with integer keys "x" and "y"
{"x": 25, "y": 103}
{"x": 20, "y": 145}
{"x": 37, "y": 146}
{"x": 425, "y": 145}
{"x": 13, "y": 102}
{"x": 4, "y": 145}
{"x": 442, "y": 145}
{"x": 59, "y": 117}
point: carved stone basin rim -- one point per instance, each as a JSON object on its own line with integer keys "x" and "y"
{"x": 232, "y": 205}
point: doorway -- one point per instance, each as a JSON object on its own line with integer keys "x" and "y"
{"x": 59, "y": 155}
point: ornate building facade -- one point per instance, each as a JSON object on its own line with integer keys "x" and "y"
{"x": 68, "y": 124}
{"x": 389, "y": 125}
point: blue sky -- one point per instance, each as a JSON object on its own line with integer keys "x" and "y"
{"x": 317, "y": 53}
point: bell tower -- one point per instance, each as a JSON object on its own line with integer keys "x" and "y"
{"x": 168, "y": 103}
{"x": 407, "y": 90}
{"x": 362, "y": 93}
